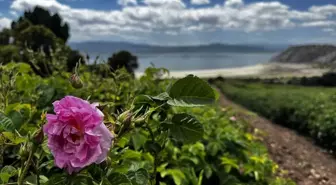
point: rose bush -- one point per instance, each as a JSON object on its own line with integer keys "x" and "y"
{"x": 160, "y": 135}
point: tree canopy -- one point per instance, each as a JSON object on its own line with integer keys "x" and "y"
{"x": 37, "y": 37}
{"x": 123, "y": 59}
{"x": 41, "y": 16}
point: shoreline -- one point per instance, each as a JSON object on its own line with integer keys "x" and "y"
{"x": 260, "y": 70}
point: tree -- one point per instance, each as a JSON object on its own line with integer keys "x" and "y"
{"x": 18, "y": 27}
{"x": 41, "y": 16}
{"x": 5, "y": 36}
{"x": 37, "y": 38}
{"x": 123, "y": 59}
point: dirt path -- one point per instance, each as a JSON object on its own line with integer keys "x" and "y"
{"x": 305, "y": 163}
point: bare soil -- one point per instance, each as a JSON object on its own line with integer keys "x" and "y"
{"x": 305, "y": 163}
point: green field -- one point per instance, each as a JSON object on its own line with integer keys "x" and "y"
{"x": 310, "y": 110}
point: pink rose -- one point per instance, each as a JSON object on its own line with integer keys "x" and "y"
{"x": 77, "y": 136}
{"x": 233, "y": 118}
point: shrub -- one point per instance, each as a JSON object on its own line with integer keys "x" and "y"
{"x": 9, "y": 53}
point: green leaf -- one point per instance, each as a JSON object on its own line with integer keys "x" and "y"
{"x": 191, "y": 91}
{"x": 229, "y": 163}
{"x": 214, "y": 147}
{"x": 4, "y": 177}
{"x": 105, "y": 182}
{"x": 177, "y": 175}
{"x": 6, "y": 124}
{"x": 32, "y": 180}
{"x": 57, "y": 179}
{"x": 208, "y": 171}
{"x": 200, "y": 178}
{"x": 139, "y": 177}
{"x": 142, "y": 103}
{"x": 45, "y": 146}
{"x": 256, "y": 176}
{"x": 81, "y": 179}
{"x": 23, "y": 109}
{"x": 17, "y": 118}
{"x": 143, "y": 99}
{"x": 46, "y": 94}
{"x": 13, "y": 138}
{"x": 152, "y": 147}
{"x": 19, "y": 114}
{"x": 138, "y": 139}
{"x": 119, "y": 179}
{"x": 161, "y": 97}
{"x": 185, "y": 128}
{"x": 130, "y": 154}
{"x": 6, "y": 173}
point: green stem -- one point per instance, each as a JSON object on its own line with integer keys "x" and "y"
{"x": 23, "y": 173}
{"x": 6, "y": 101}
{"x": 155, "y": 168}
{"x": 37, "y": 173}
{"x": 150, "y": 132}
{"x": 153, "y": 181}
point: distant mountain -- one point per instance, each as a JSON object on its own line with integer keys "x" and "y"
{"x": 307, "y": 54}
{"x": 99, "y": 47}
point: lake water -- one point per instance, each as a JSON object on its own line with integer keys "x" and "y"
{"x": 198, "y": 61}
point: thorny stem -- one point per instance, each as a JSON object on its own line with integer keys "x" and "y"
{"x": 23, "y": 173}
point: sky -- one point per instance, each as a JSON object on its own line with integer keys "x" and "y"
{"x": 189, "y": 22}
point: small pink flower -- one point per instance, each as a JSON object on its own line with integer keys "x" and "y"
{"x": 77, "y": 136}
{"x": 233, "y": 118}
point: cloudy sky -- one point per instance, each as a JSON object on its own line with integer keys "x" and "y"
{"x": 183, "y": 22}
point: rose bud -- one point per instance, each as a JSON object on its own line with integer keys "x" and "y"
{"x": 38, "y": 137}
{"x": 75, "y": 81}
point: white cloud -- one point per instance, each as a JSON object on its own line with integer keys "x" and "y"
{"x": 319, "y": 24}
{"x": 127, "y": 2}
{"x": 14, "y": 14}
{"x": 328, "y": 10}
{"x": 4, "y": 23}
{"x": 171, "y": 4}
{"x": 200, "y": 2}
{"x": 173, "y": 17}
{"x": 231, "y": 3}
{"x": 52, "y": 5}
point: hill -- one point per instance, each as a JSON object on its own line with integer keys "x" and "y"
{"x": 305, "y": 54}
{"x": 109, "y": 47}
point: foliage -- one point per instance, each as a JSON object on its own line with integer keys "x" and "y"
{"x": 157, "y": 143}
{"x": 309, "y": 110}
{"x": 5, "y": 36}
{"x": 123, "y": 59}
{"x": 37, "y": 38}
{"x": 9, "y": 53}
{"x": 42, "y": 17}
{"x": 18, "y": 27}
